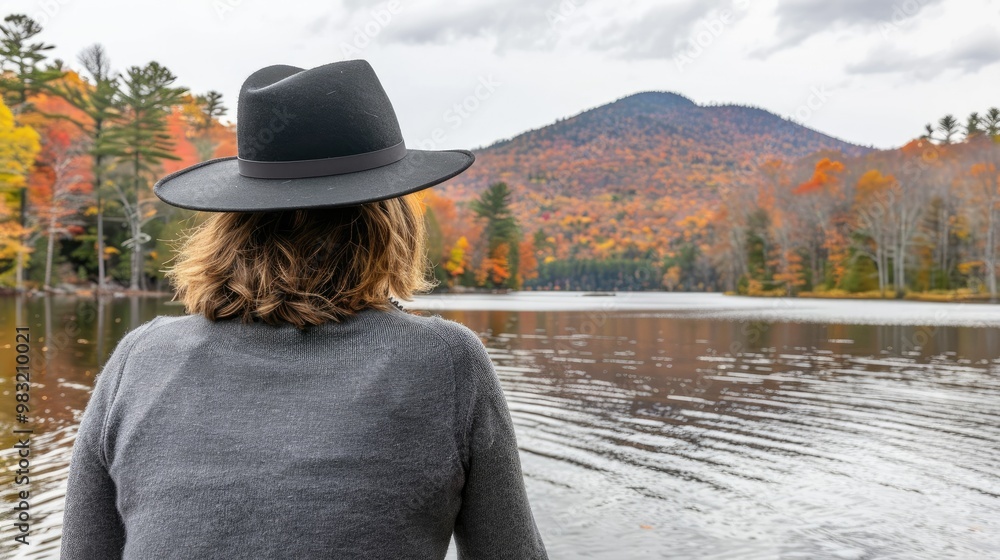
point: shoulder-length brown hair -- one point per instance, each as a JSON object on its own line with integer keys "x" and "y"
{"x": 303, "y": 267}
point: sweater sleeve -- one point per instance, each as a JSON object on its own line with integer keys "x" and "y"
{"x": 495, "y": 519}
{"x": 92, "y": 527}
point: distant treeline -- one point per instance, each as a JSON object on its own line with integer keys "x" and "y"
{"x": 922, "y": 218}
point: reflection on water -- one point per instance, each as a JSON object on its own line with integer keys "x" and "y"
{"x": 652, "y": 436}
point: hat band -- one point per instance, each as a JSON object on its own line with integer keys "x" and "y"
{"x": 321, "y": 167}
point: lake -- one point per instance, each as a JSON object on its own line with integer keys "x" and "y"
{"x": 664, "y": 425}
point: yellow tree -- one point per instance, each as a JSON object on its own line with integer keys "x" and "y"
{"x": 18, "y": 147}
{"x": 672, "y": 278}
{"x": 457, "y": 259}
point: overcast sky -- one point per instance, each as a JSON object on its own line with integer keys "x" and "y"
{"x": 871, "y": 72}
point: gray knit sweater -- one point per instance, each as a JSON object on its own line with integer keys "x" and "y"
{"x": 377, "y": 437}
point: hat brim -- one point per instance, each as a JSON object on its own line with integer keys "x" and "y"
{"x": 217, "y": 186}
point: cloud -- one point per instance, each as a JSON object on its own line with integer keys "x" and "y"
{"x": 632, "y": 29}
{"x": 660, "y": 32}
{"x": 799, "y": 20}
{"x": 511, "y": 22}
{"x": 980, "y": 50}
{"x": 969, "y": 55}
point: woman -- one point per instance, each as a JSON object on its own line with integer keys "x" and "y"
{"x": 296, "y": 411}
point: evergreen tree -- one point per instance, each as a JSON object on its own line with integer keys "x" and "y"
{"x": 202, "y": 113}
{"x": 501, "y": 234}
{"x": 948, "y": 126}
{"x": 139, "y": 140}
{"x": 991, "y": 122}
{"x": 928, "y": 132}
{"x": 212, "y": 108}
{"x": 973, "y": 126}
{"x": 21, "y": 71}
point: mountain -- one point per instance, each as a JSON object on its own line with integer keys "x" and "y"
{"x": 657, "y": 143}
{"x": 634, "y": 176}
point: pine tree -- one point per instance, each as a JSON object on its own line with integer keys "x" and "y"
{"x": 992, "y": 122}
{"x": 948, "y": 126}
{"x": 501, "y": 233}
{"x": 139, "y": 140}
{"x": 973, "y": 126}
{"x": 21, "y": 71}
{"x": 211, "y": 107}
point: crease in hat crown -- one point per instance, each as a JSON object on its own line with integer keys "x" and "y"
{"x": 355, "y": 128}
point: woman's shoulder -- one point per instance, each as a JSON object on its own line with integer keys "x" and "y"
{"x": 463, "y": 342}
{"x": 138, "y": 337}
{"x": 153, "y": 324}
{"x": 156, "y": 326}
{"x": 451, "y": 331}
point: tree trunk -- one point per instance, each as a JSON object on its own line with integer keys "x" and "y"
{"x": 100, "y": 247}
{"x": 48, "y": 252}
{"x": 990, "y": 260}
{"x": 900, "y": 275}
{"x": 136, "y": 229}
{"x": 134, "y": 281}
{"x": 813, "y": 266}
{"x": 880, "y": 265}
{"x": 943, "y": 244}
{"x": 19, "y": 274}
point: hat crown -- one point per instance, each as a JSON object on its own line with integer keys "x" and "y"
{"x": 285, "y": 113}
{"x": 325, "y": 137}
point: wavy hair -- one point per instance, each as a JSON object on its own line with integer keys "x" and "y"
{"x": 303, "y": 267}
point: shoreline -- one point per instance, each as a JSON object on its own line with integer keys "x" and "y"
{"x": 926, "y": 297}
{"x": 595, "y": 310}
{"x": 84, "y": 292}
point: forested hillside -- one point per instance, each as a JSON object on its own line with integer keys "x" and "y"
{"x": 656, "y": 144}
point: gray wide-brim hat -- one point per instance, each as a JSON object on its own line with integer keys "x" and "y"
{"x": 323, "y": 137}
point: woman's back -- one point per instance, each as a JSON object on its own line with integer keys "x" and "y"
{"x": 295, "y": 413}
{"x": 374, "y": 437}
